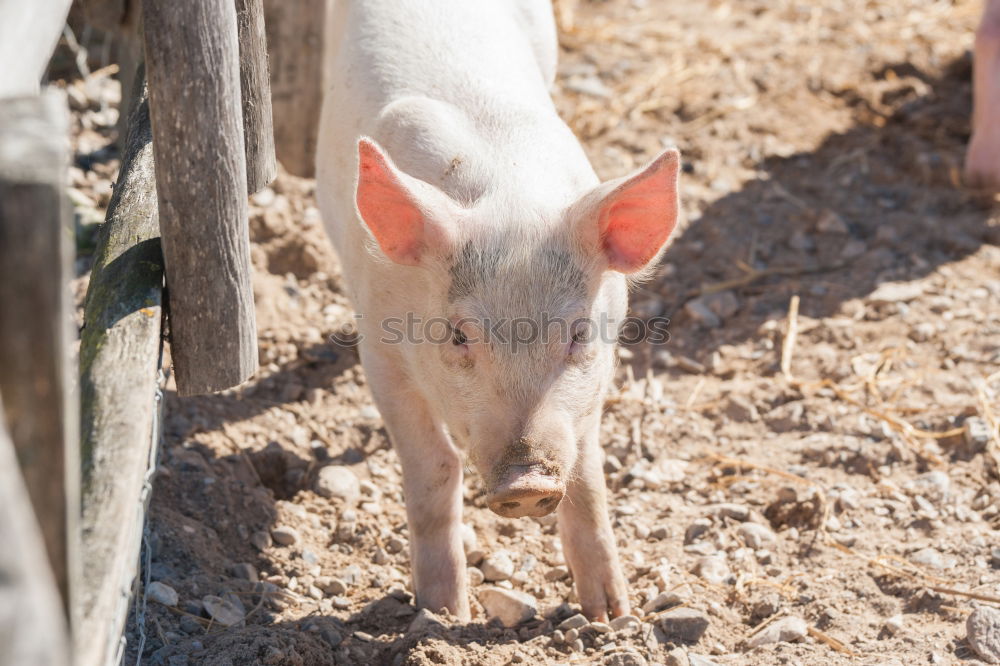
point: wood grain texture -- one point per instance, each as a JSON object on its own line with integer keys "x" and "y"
{"x": 29, "y": 32}
{"x": 295, "y": 44}
{"x": 110, "y": 15}
{"x": 255, "y": 87}
{"x": 192, "y": 64}
{"x": 119, "y": 367}
{"x": 32, "y": 623}
{"x": 35, "y": 269}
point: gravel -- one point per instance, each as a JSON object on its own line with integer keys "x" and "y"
{"x": 982, "y": 631}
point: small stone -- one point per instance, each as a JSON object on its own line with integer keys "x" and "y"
{"x": 245, "y": 571}
{"x": 723, "y": 304}
{"x": 380, "y": 557}
{"x": 574, "y": 622}
{"x": 661, "y": 601}
{"x": 331, "y": 636}
{"x": 475, "y": 557}
{"x": 341, "y": 603}
{"x": 285, "y": 536}
{"x": 684, "y": 624}
{"x": 476, "y": 576}
{"x": 977, "y": 433}
{"x": 558, "y": 638}
{"x": 556, "y": 573}
{"x": 588, "y": 85}
{"x": 894, "y": 625}
{"x": 223, "y": 611}
{"x": 700, "y": 660}
{"x": 498, "y": 566}
{"x": 932, "y": 485}
{"x": 363, "y": 636}
{"x": 260, "y": 540}
{"x": 696, "y": 530}
{"x": 853, "y": 249}
{"x": 423, "y": 621}
{"x": 330, "y": 585}
{"x": 189, "y": 625}
{"x": 756, "y": 536}
{"x": 690, "y": 365}
{"x": 739, "y": 512}
{"x": 338, "y": 482}
{"x": 741, "y": 410}
{"x": 622, "y": 656}
{"x": 831, "y": 223}
{"x": 785, "y": 630}
{"x": 896, "y": 292}
{"x": 699, "y": 311}
{"x": 572, "y": 635}
{"x": 511, "y": 606}
{"x": 577, "y": 645}
{"x": 162, "y": 593}
{"x": 929, "y": 557}
{"x": 600, "y": 627}
{"x": 677, "y": 657}
{"x": 983, "y": 633}
{"x": 625, "y": 623}
{"x": 923, "y": 332}
{"x": 995, "y": 558}
{"x": 713, "y": 568}
{"x": 395, "y": 545}
{"x": 800, "y": 240}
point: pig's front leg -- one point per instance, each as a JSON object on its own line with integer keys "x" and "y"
{"x": 432, "y": 485}
{"x": 982, "y": 161}
{"x": 588, "y": 542}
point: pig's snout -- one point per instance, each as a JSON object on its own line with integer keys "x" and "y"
{"x": 526, "y": 490}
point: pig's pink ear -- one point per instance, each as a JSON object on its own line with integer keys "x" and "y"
{"x": 637, "y": 214}
{"x": 408, "y": 217}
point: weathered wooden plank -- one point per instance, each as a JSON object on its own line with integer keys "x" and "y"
{"x": 110, "y": 15}
{"x": 295, "y": 43}
{"x": 29, "y": 32}
{"x": 192, "y": 64}
{"x": 35, "y": 268}
{"x": 119, "y": 365}
{"x": 255, "y": 88}
{"x": 32, "y": 623}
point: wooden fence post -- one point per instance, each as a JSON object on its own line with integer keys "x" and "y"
{"x": 295, "y": 43}
{"x": 192, "y": 64}
{"x": 32, "y": 623}
{"x": 255, "y": 86}
{"x": 119, "y": 360}
{"x": 35, "y": 268}
{"x": 29, "y": 32}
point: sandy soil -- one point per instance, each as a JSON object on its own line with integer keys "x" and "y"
{"x": 821, "y": 151}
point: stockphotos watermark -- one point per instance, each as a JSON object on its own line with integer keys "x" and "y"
{"x": 517, "y": 332}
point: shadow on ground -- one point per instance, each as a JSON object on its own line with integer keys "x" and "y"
{"x": 880, "y": 202}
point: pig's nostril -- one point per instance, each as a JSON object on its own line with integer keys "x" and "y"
{"x": 547, "y": 502}
{"x": 510, "y": 505}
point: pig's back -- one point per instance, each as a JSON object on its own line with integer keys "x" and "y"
{"x": 456, "y": 91}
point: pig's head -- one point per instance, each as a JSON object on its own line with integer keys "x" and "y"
{"x": 521, "y": 306}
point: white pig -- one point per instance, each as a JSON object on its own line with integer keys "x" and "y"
{"x": 454, "y": 194}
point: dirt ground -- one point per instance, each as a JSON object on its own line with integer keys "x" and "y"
{"x": 850, "y": 506}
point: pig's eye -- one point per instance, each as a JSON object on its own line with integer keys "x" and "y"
{"x": 581, "y": 336}
{"x": 458, "y": 338}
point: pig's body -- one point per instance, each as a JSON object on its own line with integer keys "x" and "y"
{"x": 473, "y": 201}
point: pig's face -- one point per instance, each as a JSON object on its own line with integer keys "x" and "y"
{"x": 533, "y": 321}
{"x": 517, "y": 347}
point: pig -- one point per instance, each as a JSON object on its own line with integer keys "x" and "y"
{"x": 982, "y": 160}
{"x": 454, "y": 194}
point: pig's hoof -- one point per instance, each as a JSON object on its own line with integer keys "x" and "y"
{"x": 982, "y": 165}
